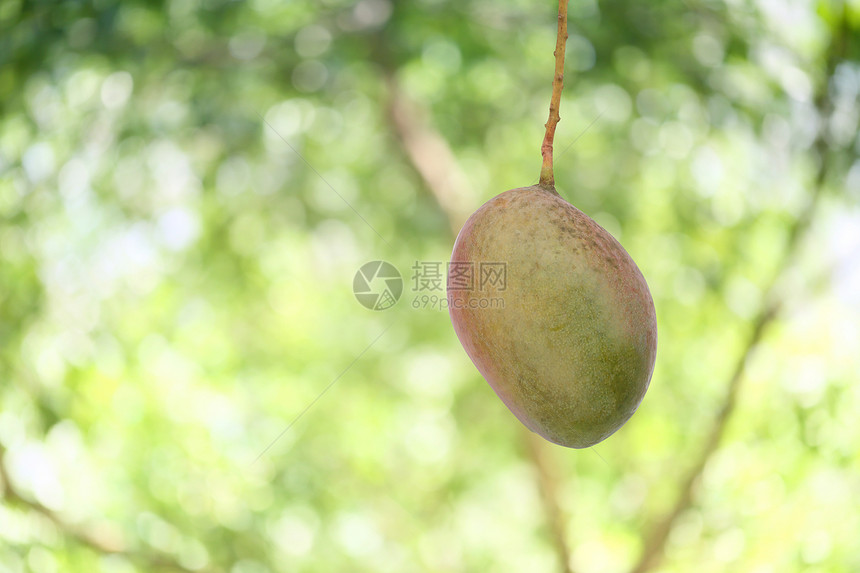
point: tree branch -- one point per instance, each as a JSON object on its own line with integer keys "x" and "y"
{"x": 548, "y": 482}
{"x": 655, "y": 543}
{"x": 432, "y": 158}
{"x": 81, "y": 536}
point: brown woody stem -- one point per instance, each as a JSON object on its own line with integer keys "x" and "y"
{"x": 546, "y": 176}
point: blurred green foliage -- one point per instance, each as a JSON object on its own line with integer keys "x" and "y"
{"x": 180, "y": 190}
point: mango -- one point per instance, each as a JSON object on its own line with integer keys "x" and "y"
{"x": 554, "y": 314}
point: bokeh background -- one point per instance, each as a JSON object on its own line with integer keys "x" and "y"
{"x": 187, "y": 188}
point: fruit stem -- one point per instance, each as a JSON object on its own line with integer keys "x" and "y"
{"x": 547, "y": 179}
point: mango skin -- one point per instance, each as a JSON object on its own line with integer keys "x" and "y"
{"x": 572, "y": 351}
